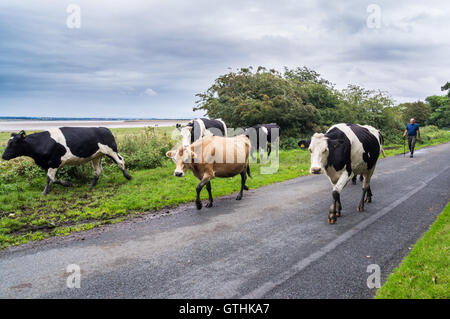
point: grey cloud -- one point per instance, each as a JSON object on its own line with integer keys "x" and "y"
{"x": 178, "y": 48}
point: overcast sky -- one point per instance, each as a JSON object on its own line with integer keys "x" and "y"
{"x": 149, "y": 58}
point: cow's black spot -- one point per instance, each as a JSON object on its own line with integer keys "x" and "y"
{"x": 214, "y": 125}
{"x": 83, "y": 141}
{"x": 369, "y": 142}
{"x": 44, "y": 150}
{"x": 339, "y": 155}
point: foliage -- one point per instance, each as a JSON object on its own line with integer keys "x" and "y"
{"x": 419, "y": 110}
{"x": 299, "y": 100}
{"x": 446, "y": 87}
{"x": 145, "y": 149}
{"x": 246, "y": 98}
{"x": 440, "y": 107}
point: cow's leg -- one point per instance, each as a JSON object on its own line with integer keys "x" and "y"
{"x": 361, "y": 202}
{"x": 369, "y": 195}
{"x": 119, "y": 161}
{"x": 354, "y": 180}
{"x": 51, "y": 178}
{"x": 63, "y": 183}
{"x": 97, "y": 165}
{"x": 336, "y": 207}
{"x": 369, "y": 190}
{"x": 269, "y": 149}
{"x": 366, "y": 191}
{"x": 199, "y": 188}
{"x": 208, "y": 187}
{"x": 243, "y": 180}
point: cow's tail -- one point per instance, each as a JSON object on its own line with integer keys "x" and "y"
{"x": 381, "y": 144}
{"x": 248, "y": 171}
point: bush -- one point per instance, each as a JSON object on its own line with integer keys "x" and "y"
{"x": 289, "y": 143}
{"x": 144, "y": 150}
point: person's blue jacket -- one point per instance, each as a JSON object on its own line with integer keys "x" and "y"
{"x": 412, "y": 129}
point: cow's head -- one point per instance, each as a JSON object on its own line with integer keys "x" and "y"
{"x": 16, "y": 146}
{"x": 182, "y": 157}
{"x": 186, "y": 132}
{"x": 320, "y": 147}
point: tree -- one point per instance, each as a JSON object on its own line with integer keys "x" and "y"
{"x": 246, "y": 98}
{"x": 446, "y": 87}
{"x": 299, "y": 100}
{"x": 419, "y": 110}
{"x": 440, "y": 108}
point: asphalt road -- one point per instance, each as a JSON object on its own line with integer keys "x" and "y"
{"x": 275, "y": 243}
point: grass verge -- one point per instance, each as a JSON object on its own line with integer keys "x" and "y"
{"x": 425, "y": 272}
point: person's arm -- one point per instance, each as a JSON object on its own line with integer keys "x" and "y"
{"x": 404, "y": 134}
{"x": 418, "y": 134}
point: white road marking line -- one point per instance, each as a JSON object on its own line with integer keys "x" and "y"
{"x": 302, "y": 264}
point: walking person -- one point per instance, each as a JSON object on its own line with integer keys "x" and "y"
{"x": 412, "y": 129}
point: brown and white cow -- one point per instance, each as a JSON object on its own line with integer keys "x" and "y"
{"x": 213, "y": 156}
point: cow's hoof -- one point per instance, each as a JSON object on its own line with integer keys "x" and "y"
{"x": 353, "y": 182}
{"x": 127, "y": 176}
{"x": 239, "y": 197}
{"x": 246, "y": 187}
{"x": 331, "y": 220}
{"x": 44, "y": 193}
{"x": 67, "y": 184}
{"x": 338, "y": 214}
{"x": 360, "y": 209}
{"x": 199, "y": 205}
{"x": 368, "y": 200}
{"x": 209, "y": 205}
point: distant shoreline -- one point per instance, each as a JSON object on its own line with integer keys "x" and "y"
{"x": 9, "y": 125}
{"x": 49, "y": 118}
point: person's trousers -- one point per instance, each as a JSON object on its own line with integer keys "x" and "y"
{"x": 411, "y": 143}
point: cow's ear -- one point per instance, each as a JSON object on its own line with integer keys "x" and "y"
{"x": 23, "y": 134}
{"x": 178, "y": 126}
{"x": 170, "y": 154}
{"x": 304, "y": 143}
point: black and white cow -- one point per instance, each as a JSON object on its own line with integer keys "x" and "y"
{"x": 199, "y": 128}
{"x": 56, "y": 148}
{"x": 261, "y": 137}
{"x": 344, "y": 151}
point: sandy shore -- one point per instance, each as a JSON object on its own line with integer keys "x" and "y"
{"x": 13, "y": 126}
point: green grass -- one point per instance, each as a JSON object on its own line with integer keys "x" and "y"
{"x": 27, "y": 215}
{"x": 425, "y": 272}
